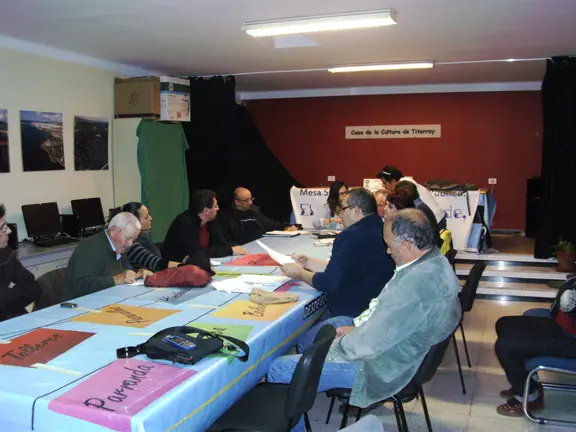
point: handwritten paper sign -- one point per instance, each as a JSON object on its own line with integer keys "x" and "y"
{"x": 237, "y": 331}
{"x": 395, "y": 131}
{"x": 373, "y": 185}
{"x": 287, "y": 286}
{"x": 112, "y": 396}
{"x": 253, "y": 260}
{"x": 128, "y": 316}
{"x": 247, "y": 310}
{"x": 40, "y": 346}
{"x": 171, "y": 295}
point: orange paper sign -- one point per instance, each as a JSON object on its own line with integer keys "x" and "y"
{"x": 40, "y": 346}
{"x": 128, "y": 316}
{"x": 247, "y": 310}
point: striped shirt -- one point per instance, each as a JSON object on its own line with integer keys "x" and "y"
{"x": 144, "y": 254}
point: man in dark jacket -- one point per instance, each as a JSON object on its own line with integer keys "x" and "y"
{"x": 359, "y": 267}
{"x": 244, "y": 222}
{"x": 18, "y": 287}
{"x": 195, "y": 234}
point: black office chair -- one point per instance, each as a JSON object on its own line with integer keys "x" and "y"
{"x": 451, "y": 257}
{"x": 52, "y": 284}
{"x": 414, "y": 389}
{"x": 278, "y": 407}
{"x": 467, "y": 297}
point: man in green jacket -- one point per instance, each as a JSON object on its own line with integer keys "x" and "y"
{"x": 379, "y": 352}
{"x": 99, "y": 262}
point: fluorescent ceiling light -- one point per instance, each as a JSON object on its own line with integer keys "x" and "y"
{"x": 321, "y": 23}
{"x": 382, "y": 67}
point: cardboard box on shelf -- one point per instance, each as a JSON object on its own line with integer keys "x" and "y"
{"x": 161, "y": 98}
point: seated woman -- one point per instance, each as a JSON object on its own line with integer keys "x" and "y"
{"x": 337, "y": 190}
{"x": 397, "y": 201}
{"x": 18, "y": 288}
{"x": 144, "y": 254}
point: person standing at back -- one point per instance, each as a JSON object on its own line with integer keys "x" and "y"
{"x": 390, "y": 176}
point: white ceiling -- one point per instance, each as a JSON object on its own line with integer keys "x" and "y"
{"x": 204, "y": 37}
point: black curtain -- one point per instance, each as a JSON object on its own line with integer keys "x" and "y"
{"x": 227, "y": 150}
{"x": 558, "y": 215}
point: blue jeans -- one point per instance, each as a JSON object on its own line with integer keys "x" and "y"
{"x": 538, "y": 312}
{"x": 334, "y": 375}
{"x": 307, "y": 338}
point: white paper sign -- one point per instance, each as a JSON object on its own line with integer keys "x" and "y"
{"x": 373, "y": 185}
{"x": 395, "y": 131}
{"x": 459, "y": 208}
{"x": 309, "y": 205}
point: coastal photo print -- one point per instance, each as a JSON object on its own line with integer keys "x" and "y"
{"x": 42, "y": 141}
{"x": 4, "y": 150}
{"x": 90, "y": 143}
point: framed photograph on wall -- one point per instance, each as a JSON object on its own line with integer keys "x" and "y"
{"x": 4, "y": 149}
{"x": 90, "y": 143}
{"x": 42, "y": 141}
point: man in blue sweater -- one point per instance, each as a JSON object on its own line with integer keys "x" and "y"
{"x": 359, "y": 267}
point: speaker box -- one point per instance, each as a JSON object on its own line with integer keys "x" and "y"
{"x": 70, "y": 225}
{"x": 13, "y": 237}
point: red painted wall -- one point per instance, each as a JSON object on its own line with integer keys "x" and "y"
{"x": 483, "y": 135}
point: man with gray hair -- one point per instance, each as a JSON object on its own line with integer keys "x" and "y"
{"x": 359, "y": 266}
{"x": 379, "y": 352}
{"x": 99, "y": 262}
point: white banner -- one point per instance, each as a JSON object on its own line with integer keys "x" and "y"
{"x": 395, "y": 131}
{"x": 459, "y": 208}
{"x": 309, "y": 205}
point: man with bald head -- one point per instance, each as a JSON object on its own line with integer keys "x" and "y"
{"x": 377, "y": 353}
{"x": 100, "y": 262}
{"x": 244, "y": 222}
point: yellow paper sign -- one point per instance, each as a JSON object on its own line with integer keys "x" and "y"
{"x": 129, "y": 316}
{"x": 247, "y": 310}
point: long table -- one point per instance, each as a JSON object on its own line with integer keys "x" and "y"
{"x": 92, "y": 390}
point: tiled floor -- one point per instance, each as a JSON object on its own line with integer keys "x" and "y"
{"x": 450, "y": 410}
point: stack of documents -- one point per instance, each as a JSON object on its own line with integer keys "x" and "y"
{"x": 245, "y": 283}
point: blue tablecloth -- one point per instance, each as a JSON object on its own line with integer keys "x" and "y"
{"x": 34, "y": 399}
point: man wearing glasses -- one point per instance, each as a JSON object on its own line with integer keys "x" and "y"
{"x": 18, "y": 288}
{"x": 244, "y": 222}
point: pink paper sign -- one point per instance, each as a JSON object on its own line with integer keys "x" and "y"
{"x": 287, "y": 286}
{"x": 112, "y": 396}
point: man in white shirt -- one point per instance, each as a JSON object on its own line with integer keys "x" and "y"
{"x": 390, "y": 176}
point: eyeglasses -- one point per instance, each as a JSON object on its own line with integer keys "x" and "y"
{"x": 246, "y": 200}
{"x": 346, "y": 207}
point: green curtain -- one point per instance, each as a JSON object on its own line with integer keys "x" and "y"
{"x": 162, "y": 164}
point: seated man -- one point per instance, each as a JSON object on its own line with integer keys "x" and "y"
{"x": 391, "y": 175}
{"x": 359, "y": 266}
{"x": 380, "y": 197}
{"x": 380, "y": 351}
{"x": 244, "y": 222}
{"x": 194, "y": 233}
{"x": 537, "y": 333}
{"x": 18, "y": 288}
{"x": 100, "y": 262}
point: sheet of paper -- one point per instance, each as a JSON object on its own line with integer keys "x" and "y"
{"x": 215, "y": 263}
{"x": 245, "y": 283}
{"x": 276, "y": 256}
{"x": 138, "y": 282}
{"x": 282, "y": 233}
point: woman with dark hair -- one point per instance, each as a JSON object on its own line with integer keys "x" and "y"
{"x": 18, "y": 288}
{"x": 399, "y": 200}
{"x": 337, "y": 191}
{"x": 144, "y": 254}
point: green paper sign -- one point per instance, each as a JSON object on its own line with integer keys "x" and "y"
{"x": 236, "y": 331}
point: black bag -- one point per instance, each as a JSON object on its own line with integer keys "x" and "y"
{"x": 177, "y": 345}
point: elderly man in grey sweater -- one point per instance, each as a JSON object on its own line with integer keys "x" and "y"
{"x": 377, "y": 353}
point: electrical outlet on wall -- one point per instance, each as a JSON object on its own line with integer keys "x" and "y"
{"x": 492, "y": 181}
{"x": 332, "y": 178}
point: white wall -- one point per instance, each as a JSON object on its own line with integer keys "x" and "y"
{"x": 127, "y": 181}
{"x": 29, "y": 82}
